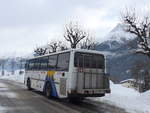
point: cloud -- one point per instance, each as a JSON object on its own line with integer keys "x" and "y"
{"x": 27, "y": 23}
{"x": 25, "y": 39}
{"x": 95, "y": 20}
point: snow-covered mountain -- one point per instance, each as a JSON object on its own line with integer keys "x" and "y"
{"x": 121, "y": 58}
{"x": 118, "y": 34}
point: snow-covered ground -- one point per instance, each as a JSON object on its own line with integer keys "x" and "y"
{"x": 123, "y": 97}
{"x": 128, "y": 99}
{"x": 16, "y": 77}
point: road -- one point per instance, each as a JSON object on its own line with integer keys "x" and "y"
{"x": 15, "y": 98}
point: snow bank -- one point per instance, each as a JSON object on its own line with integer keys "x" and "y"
{"x": 16, "y": 77}
{"x": 128, "y": 99}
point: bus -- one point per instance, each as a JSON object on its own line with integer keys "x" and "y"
{"x": 75, "y": 73}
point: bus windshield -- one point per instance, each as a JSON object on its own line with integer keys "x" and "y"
{"x": 89, "y": 60}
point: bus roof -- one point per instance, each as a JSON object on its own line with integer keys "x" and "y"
{"x": 75, "y": 50}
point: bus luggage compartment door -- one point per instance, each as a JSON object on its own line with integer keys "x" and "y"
{"x": 90, "y": 81}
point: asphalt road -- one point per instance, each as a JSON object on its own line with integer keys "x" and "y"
{"x": 15, "y": 98}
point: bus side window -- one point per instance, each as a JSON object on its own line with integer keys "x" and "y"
{"x": 36, "y": 64}
{"x": 43, "y": 63}
{"x": 27, "y": 65}
{"x": 31, "y": 64}
{"x": 63, "y": 62}
{"x": 40, "y": 60}
{"x": 52, "y": 61}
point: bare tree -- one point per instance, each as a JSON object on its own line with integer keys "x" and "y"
{"x": 63, "y": 46}
{"x": 140, "y": 27}
{"x": 40, "y": 51}
{"x": 54, "y": 46}
{"x": 88, "y": 43}
{"x": 57, "y": 46}
{"x": 74, "y": 34}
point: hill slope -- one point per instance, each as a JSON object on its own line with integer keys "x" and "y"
{"x": 121, "y": 58}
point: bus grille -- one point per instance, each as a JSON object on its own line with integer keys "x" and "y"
{"x": 63, "y": 86}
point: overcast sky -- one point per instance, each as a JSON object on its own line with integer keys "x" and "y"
{"x": 25, "y": 24}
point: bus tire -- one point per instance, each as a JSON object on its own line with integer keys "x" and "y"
{"x": 29, "y": 84}
{"x": 48, "y": 90}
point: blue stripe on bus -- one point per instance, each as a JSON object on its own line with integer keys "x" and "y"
{"x": 54, "y": 91}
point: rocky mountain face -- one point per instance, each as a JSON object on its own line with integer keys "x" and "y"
{"x": 119, "y": 49}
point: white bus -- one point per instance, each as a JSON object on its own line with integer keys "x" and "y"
{"x": 72, "y": 73}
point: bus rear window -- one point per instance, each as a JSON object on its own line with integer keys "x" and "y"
{"x": 89, "y": 60}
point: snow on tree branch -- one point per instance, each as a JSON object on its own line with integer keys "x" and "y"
{"x": 74, "y": 34}
{"x": 55, "y": 46}
{"x": 140, "y": 27}
{"x": 40, "y": 51}
{"x": 88, "y": 43}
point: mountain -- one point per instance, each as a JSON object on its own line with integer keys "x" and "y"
{"x": 120, "y": 55}
{"x": 118, "y": 47}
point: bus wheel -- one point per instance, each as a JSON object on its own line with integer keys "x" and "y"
{"x": 48, "y": 90}
{"x": 29, "y": 84}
